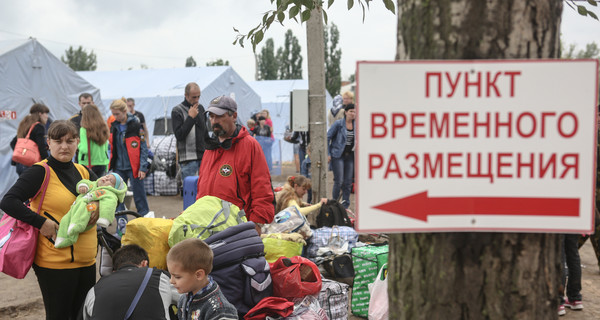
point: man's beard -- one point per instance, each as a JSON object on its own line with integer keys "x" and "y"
{"x": 220, "y": 132}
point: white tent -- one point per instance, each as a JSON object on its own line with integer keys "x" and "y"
{"x": 157, "y": 91}
{"x": 30, "y": 74}
{"x": 275, "y": 96}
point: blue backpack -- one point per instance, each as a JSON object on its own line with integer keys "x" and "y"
{"x": 240, "y": 267}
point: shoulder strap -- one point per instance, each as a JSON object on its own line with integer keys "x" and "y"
{"x": 44, "y": 186}
{"x": 138, "y": 294}
{"x": 30, "y": 129}
{"x": 89, "y": 155}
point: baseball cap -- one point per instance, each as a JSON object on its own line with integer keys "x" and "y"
{"x": 222, "y": 104}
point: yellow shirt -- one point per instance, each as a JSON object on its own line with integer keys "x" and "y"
{"x": 57, "y": 203}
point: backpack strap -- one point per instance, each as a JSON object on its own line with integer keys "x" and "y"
{"x": 138, "y": 294}
{"x": 225, "y": 210}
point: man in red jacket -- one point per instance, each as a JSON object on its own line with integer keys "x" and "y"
{"x": 234, "y": 167}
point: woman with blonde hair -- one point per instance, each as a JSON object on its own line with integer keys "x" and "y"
{"x": 93, "y": 140}
{"x": 36, "y": 123}
{"x": 129, "y": 152}
{"x": 293, "y": 192}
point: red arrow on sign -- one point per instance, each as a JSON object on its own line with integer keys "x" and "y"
{"x": 419, "y": 206}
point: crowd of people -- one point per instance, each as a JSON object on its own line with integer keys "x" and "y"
{"x": 232, "y": 164}
{"x": 77, "y": 151}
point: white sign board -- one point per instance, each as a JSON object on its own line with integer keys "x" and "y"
{"x": 476, "y": 145}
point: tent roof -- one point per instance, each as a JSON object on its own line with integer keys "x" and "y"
{"x": 9, "y": 45}
{"x": 157, "y": 91}
{"x": 151, "y": 82}
{"x": 277, "y": 90}
{"x": 29, "y": 74}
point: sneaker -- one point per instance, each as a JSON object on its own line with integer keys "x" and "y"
{"x": 561, "y": 310}
{"x": 574, "y": 305}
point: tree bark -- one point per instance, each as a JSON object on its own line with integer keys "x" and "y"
{"x": 317, "y": 124}
{"x": 476, "y": 275}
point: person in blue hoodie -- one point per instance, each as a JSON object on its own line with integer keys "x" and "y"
{"x": 340, "y": 146}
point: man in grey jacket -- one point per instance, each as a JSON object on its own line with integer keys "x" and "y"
{"x": 189, "y": 124}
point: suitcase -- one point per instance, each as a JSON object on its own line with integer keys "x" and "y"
{"x": 367, "y": 261}
{"x": 190, "y": 190}
{"x": 333, "y": 298}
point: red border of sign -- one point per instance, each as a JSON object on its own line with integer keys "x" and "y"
{"x": 465, "y": 229}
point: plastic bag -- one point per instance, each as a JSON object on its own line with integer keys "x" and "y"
{"x": 277, "y": 247}
{"x": 295, "y": 277}
{"x": 378, "y": 303}
{"x": 152, "y": 234}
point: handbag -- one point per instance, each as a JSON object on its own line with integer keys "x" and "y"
{"x": 340, "y": 268}
{"x": 295, "y": 277}
{"x": 26, "y": 150}
{"x": 18, "y": 240}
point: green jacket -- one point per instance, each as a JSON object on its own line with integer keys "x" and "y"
{"x": 99, "y": 153}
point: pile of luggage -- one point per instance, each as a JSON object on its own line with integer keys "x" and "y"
{"x": 295, "y": 269}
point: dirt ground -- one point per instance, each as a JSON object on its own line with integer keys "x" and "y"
{"x": 21, "y": 299}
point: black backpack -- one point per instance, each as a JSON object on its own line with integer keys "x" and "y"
{"x": 239, "y": 266}
{"x": 332, "y": 214}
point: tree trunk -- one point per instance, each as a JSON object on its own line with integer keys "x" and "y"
{"x": 317, "y": 123}
{"x": 476, "y": 275}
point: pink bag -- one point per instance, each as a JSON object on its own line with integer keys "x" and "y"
{"x": 18, "y": 240}
{"x": 26, "y": 150}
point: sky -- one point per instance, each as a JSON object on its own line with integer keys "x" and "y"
{"x": 162, "y": 34}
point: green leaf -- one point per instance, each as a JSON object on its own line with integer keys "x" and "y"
{"x": 294, "y": 11}
{"x": 582, "y": 10}
{"x": 307, "y": 3}
{"x": 593, "y": 15}
{"x": 350, "y": 4}
{"x": 235, "y": 41}
{"x": 258, "y": 37}
{"x": 325, "y": 17}
{"x": 389, "y": 4}
{"x": 236, "y": 30}
{"x": 592, "y": 2}
{"x": 265, "y": 17}
{"x": 329, "y": 3}
{"x": 363, "y": 11}
{"x": 270, "y": 20}
{"x": 305, "y": 15}
{"x": 281, "y": 17}
{"x": 252, "y": 31}
{"x": 242, "y": 42}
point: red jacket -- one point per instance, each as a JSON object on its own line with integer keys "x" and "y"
{"x": 136, "y": 146}
{"x": 239, "y": 175}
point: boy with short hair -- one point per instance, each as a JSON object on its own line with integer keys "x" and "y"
{"x": 190, "y": 262}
